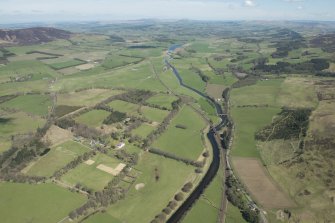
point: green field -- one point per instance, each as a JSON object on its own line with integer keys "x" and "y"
{"x": 36, "y": 69}
{"x": 154, "y": 114}
{"x": 123, "y": 106}
{"x": 263, "y": 93}
{"x": 137, "y": 76}
{"x": 93, "y": 118}
{"x": 187, "y": 142}
{"x": 102, "y": 218}
{"x": 89, "y": 175}
{"x": 19, "y": 122}
{"x": 36, "y": 203}
{"x": 65, "y": 64}
{"x": 163, "y": 100}
{"x": 32, "y": 104}
{"x": 247, "y": 121}
{"x": 234, "y": 215}
{"x": 143, "y": 205}
{"x": 144, "y": 130}
{"x": 86, "y": 97}
{"x": 58, "y": 157}
{"x": 207, "y": 106}
{"x": 206, "y": 209}
{"x": 118, "y": 61}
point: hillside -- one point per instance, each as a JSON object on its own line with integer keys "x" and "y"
{"x": 32, "y": 35}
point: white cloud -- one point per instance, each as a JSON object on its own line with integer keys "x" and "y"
{"x": 249, "y": 3}
{"x": 300, "y": 7}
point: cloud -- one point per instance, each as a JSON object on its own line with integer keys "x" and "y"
{"x": 249, "y": 3}
{"x": 300, "y": 7}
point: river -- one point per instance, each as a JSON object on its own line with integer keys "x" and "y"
{"x": 214, "y": 166}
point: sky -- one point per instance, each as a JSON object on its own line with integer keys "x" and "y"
{"x": 25, "y": 11}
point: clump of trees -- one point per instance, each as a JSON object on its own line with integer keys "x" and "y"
{"x": 187, "y": 187}
{"x": 179, "y": 126}
{"x": 307, "y": 67}
{"x": 235, "y": 196}
{"x": 131, "y": 159}
{"x": 115, "y": 117}
{"x": 290, "y": 123}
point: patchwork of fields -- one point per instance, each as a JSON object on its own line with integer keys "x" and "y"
{"x": 96, "y": 127}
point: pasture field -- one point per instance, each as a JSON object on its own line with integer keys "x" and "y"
{"x": 61, "y": 110}
{"x": 90, "y": 175}
{"x": 101, "y": 218}
{"x": 35, "y": 68}
{"x": 153, "y": 114}
{"x": 290, "y": 92}
{"x": 137, "y": 76}
{"x": 298, "y": 92}
{"x": 65, "y": 64}
{"x": 163, "y": 100}
{"x": 261, "y": 186}
{"x": 144, "y": 204}
{"x": 93, "y": 118}
{"x": 56, "y": 158}
{"x": 192, "y": 79}
{"x": 144, "y": 130}
{"x": 123, "y": 106}
{"x": 143, "y": 52}
{"x": 247, "y": 122}
{"x": 115, "y": 61}
{"x": 86, "y": 97}
{"x": 31, "y": 104}
{"x": 206, "y": 209}
{"x": 19, "y": 123}
{"x": 207, "y": 106}
{"x": 234, "y": 214}
{"x": 262, "y": 93}
{"x": 186, "y": 143}
{"x": 36, "y": 203}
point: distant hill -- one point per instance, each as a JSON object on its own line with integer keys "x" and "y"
{"x": 32, "y": 35}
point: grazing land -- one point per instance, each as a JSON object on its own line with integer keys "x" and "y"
{"x": 88, "y": 174}
{"x": 31, "y": 203}
{"x": 93, "y": 118}
{"x": 184, "y": 142}
{"x": 56, "y": 158}
{"x": 162, "y": 100}
{"x": 152, "y": 199}
{"x": 31, "y": 104}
